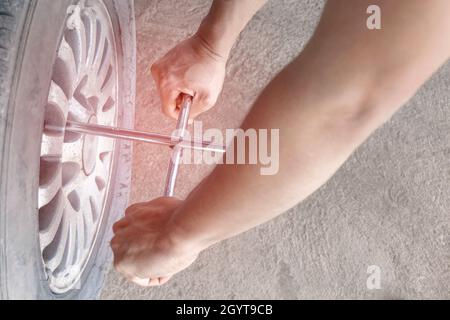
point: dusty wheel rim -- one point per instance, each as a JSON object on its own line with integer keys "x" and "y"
{"x": 75, "y": 169}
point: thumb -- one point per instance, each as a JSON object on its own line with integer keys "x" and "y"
{"x": 169, "y": 103}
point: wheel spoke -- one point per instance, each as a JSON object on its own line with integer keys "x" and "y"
{"x": 72, "y": 152}
{"x": 91, "y": 185}
{"x": 95, "y": 208}
{"x": 70, "y": 249}
{"x": 64, "y": 70}
{"x": 94, "y": 196}
{"x": 49, "y": 180}
{"x": 107, "y": 92}
{"x": 78, "y": 111}
{"x": 101, "y": 47}
{"x": 105, "y": 74}
{"x": 90, "y": 22}
{"x": 101, "y": 173}
{"x": 70, "y": 171}
{"x": 49, "y": 219}
{"x": 54, "y": 252}
{"x": 107, "y": 112}
{"x": 76, "y": 39}
{"x": 51, "y": 145}
{"x": 57, "y": 97}
{"x": 88, "y": 221}
{"x": 81, "y": 235}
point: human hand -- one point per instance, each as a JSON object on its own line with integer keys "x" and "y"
{"x": 143, "y": 250}
{"x": 193, "y": 68}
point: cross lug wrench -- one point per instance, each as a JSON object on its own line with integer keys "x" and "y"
{"x": 178, "y": 143}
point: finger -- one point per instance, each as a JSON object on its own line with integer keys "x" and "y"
{"x": 118, "y": 246}
{"x": 115, "y": 244}
{"x": 197, "y": 107}
{"x": 120, "y": 225}
{"x": 119, "y": 267}
{"x": 200, "y": 104}
{"x": 169, "y": 102}
{"x": 144, "y": 282}
{"x": 154, "y": 69}
{"x": 163, "y": 280}
{"x": 117, "y": 259}
{"x": 153, "y": 282}
{"x": 132, "y": 208}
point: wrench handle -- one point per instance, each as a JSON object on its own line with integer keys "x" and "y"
{"x": 177, "y": 151}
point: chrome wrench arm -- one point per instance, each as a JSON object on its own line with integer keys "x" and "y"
{"x": 177, "y": 152}
{"x": 135, "y": 135}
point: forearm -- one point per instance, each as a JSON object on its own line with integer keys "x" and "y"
{"x": 314, "y": 142}
{"x": 346, "y": 83}
{"x": 225, "y": 21}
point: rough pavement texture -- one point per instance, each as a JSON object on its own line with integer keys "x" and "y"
{"x": 388, "y": 205}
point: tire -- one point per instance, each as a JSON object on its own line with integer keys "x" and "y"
{"x": 30, "y": 35}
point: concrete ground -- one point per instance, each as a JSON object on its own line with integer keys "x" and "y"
{"x": 388, "y": 206}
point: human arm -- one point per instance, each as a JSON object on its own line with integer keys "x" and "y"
{"x": 346, "y": 83}
{"x": 196, "y": 66}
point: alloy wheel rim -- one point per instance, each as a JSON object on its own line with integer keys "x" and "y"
{"x": 75, "y": 170}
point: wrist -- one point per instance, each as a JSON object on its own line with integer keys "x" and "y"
{"x": 203, "y": 48}
{"x": 213, "y": 37}
{"x": 178, "y": 239}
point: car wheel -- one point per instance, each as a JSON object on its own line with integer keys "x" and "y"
{"x": 61, "y": 192}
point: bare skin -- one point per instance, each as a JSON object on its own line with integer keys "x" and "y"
{"x": 196, "y": 66}
{"x": 347, "y": 82}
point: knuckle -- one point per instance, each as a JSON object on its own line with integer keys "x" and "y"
{"x": 168, "y": 112}
{"x": 156, "y": 73}
{"x": 171, "y": 202}
{"x": 115, "y": 249}
{"x": 154, "y": 68}
{"x": 132, "y": 208}
{"x": 114, "y": 242}
{"x": 118, "y": 225}
{"x": 209, "y": 101}
{"x": 128, "y": 211}
{"x": 117, "y": 265}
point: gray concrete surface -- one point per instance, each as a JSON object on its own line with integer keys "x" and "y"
{"x": 389, "y": 204}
